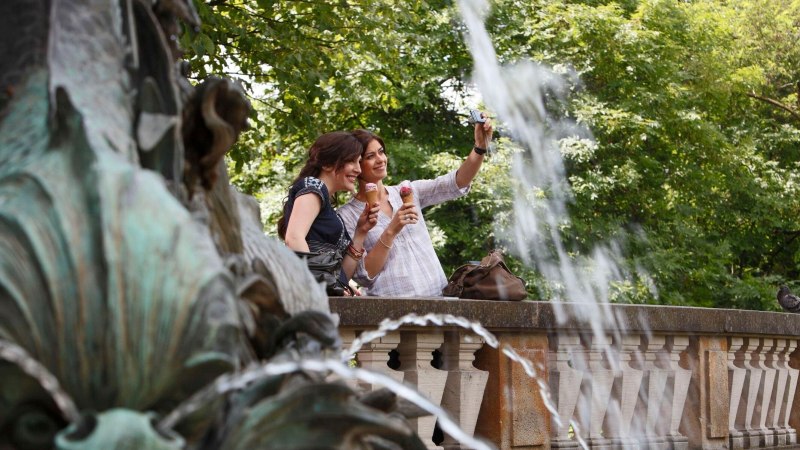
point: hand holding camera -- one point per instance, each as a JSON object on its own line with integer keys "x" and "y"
{"x": 483, "y": 131}
{"x": 475, "y": 117}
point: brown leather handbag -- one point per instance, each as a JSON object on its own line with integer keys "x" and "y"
{"x": 489, "y": 280}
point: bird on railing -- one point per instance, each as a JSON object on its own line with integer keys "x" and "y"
{"x": 788, "y": 301}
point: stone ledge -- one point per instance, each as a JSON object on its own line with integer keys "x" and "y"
{"x": 514, "y": 316}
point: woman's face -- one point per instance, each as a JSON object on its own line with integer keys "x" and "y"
{"x": 345, "y": 178}
{"x": 373, "y": 163}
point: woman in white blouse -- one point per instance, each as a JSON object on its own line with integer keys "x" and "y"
{"x": 403, "y": 262}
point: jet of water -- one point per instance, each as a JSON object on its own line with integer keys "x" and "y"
{"x": 516, "y": 93}
{"x": 388, "y": 325}
{"x": 15, "y": 354}
{"x": 235, "y": 381}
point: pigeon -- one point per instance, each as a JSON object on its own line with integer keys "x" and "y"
{"x": 789, "y": 302}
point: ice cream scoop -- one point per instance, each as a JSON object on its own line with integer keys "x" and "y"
{"x": 406, "y": 193}
{"x": 371, "y": 191}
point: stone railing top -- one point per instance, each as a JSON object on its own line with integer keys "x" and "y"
{"x": 514, "y": 316}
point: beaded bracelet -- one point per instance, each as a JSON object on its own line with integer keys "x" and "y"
{"x": 354, "y": 252}
{"x": 380, "y": 239}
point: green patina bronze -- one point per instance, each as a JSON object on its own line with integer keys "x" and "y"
{"x": 120, "y": 429}
{"x": 131, "y": 273}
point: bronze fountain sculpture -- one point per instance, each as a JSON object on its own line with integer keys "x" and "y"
{"x": 131, "y": 273}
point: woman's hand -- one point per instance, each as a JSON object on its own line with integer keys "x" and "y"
{"x": 483, "y": 132}
{"x": 368, "y": 218}
{"x": 376, "y": 258}
{"x": 470, "y": 167}
{"x": 405, "y": 215}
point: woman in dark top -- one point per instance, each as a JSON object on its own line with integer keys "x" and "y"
{"x": 309, "y": 222}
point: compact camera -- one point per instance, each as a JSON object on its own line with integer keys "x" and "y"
{"x": 475, "y": 117}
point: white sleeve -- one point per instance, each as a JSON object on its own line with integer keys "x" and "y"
{"x": 438, "y": 190}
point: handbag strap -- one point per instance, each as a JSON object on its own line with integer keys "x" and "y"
{"x": 492, "y": 259}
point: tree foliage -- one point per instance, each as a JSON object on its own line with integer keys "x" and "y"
{"x": 693, "y": 106}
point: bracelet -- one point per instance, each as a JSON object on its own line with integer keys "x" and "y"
{"x": 380, "y": 239}
{"x": 479, "y": 150}
{"x": 354, "y": 252}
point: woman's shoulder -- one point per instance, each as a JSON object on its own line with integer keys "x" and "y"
{"x": 309, "y": 184}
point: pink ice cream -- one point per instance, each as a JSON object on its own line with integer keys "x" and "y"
{"x": 406, "y": 193}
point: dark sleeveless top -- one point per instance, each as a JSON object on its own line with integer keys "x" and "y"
{"x": 327, "y": 232}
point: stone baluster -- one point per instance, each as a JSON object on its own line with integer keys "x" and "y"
{"x": 600, "y": 381}
{"x": 765, "y": 393}
{"x": 463, "y": 391}
{"x": 626, "y": 393}
{"x": 779, "y": 393}
{"x": 736, "y": 379}
{"x": 676, "y": 346}
{"x": 375, "y": 356}
{"x": 677, "y": 391}
{"x": 563, "y": 379}
{"x": 753, "y": 436}
{"x": 416, "y": 356}
{"x": 791, "y": 387}
{"x": 654, "y": 391}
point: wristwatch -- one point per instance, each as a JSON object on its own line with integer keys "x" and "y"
{"x": 479, "y": 150}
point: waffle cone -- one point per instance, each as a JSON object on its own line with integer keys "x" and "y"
{"x": 372, "y": 197}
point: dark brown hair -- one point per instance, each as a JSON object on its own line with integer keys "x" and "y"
{"x": 365, "y": 137}
{"x": 334, "y": 149}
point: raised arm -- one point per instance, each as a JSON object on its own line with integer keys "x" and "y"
{"x": 470, "y": 167}
{"x": 305, "y": 210}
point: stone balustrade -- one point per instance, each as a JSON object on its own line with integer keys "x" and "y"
{"x": 675, "y": 378}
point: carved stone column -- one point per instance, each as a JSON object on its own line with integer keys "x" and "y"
{"x": 598, "y": 382}
{"x": 736, "y": 379}
{"x": 765, "y": 393}
{"x": 463, "y": 391}
{"x": 677, "y": 390}
{"x": 375, "y": 356}
{"x": 791, "y": 387}
{"x": 654, "y": 390}
{"x": 777, "y": 357}
{"x": 565, "y": 381}
{"x": 625, "y": 394}
{"x": 416, "y": 355}
{"x": 753, "y": 435}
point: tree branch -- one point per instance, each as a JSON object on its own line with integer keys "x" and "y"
{"x": 776, "y": 103}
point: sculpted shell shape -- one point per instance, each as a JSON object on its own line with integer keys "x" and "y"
{"x": 104, "y": 277}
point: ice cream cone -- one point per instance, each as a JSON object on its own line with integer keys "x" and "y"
{"x": 406, "y": 193}
{"x": 371, "y": 191}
